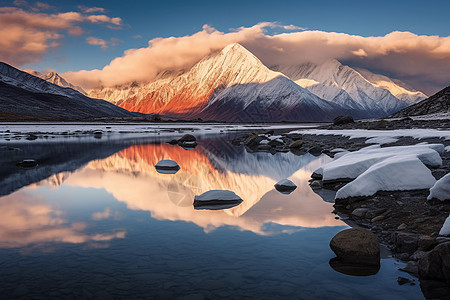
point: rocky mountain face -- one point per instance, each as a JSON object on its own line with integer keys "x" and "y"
{"x": 26, "y": 95}
{"x": 438, "y": 104}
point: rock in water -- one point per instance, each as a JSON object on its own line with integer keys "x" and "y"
{"x": 441, "y": 189}
{"x": 187, "y": 138}
{"x": 167, "y": 166}
{"x": 31, "y": 137}
{"x": 285, "y": 186}
{"x": 217, "y": 199}
{"x": 356, "y": 245}
{"x": 187, "y": 141}
{"x": 27, "y": 163}
{"x": 340, "y": 120}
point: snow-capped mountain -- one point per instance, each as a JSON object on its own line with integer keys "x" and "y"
{"x": 229, "y": 85}
{"x": 279, "y": 99}
{"x": 233, "y": 84}
{"x": 346, "y": 86}
{"x": 190, "y": 91}
{"x": 397, "y": 88}
{"x": 24, "y": 94}
{"x": 56, "y": 79}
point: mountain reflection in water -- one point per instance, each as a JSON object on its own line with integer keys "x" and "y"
{"x": 98, "y": 221}
{"x": 130, "y": 176}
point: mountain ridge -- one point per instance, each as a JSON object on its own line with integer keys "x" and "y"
{"x": 438, "y": 103}
{"x": 191, "y": 92}
{"x": 26, "y": 95}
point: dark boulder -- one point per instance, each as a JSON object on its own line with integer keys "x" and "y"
{"x": 316, "y": 150}
{"x": 296, "y": 144}
{"x": 187, "y": 138}
{"x": 340, "y": 120}
{"x": 356, "y": 245}
{"x": 436, "y": 264}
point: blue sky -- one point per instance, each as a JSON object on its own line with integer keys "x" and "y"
{"x": 71, "y": 36}
{"x": 151, "y": 19}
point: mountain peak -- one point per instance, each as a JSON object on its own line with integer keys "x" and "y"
{"x": 234, "y": 47}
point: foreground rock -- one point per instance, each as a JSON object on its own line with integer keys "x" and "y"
{"x": 356, "y": 245}
{"x": 285, "y": 186}
{"x": 167, "y": 166}
{"x": 436, "y": 264}
{"x": 217, "y": 199}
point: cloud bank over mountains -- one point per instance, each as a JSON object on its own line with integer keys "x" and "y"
{"x": 420, "y": 60}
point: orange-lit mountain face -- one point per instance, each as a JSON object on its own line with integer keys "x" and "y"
{"x": 189, "y": 92}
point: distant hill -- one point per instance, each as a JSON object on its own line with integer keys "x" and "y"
{"x": 24, "y": 95}
{"x": 439, "y": 103}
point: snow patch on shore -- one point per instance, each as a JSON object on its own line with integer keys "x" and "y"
{"x": 381, "y": 136}
{"x": 384, "y": 169}
{"x": 441, "y": 189}
{"x": 445, "y": 230}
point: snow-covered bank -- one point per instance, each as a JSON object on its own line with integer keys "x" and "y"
{"x": 381, "y": 136}
{"x": 441, "y": 189}
{"x": 384, "y": 169}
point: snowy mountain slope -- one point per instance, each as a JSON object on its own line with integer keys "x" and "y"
{"x": 189, "y": 92}
{"x": 397, "y": 88}
{"x": 56, "y": 79}
{"x": 438, "y": 104}
{"x": 25, "y": 94}
{"x": 234, "y": 74}
{"x": 279, "y": 99}
{"x": 341, "y": 84}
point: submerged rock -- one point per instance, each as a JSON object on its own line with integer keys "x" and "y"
{"x": 27, "y": 163}
{"x": 167, "y": 166}
{"x": 285, "y": 186}
{"x": 356, "y": 245}
{"x": 296, "y": 144}
{"x": 217, "y": 199}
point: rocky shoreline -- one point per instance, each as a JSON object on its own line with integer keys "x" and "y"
{"x": 404, "y": 221}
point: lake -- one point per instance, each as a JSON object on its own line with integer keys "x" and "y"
{"x": 95, "y": 219}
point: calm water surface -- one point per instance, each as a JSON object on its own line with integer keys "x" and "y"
{"x": 95, "y": 220}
